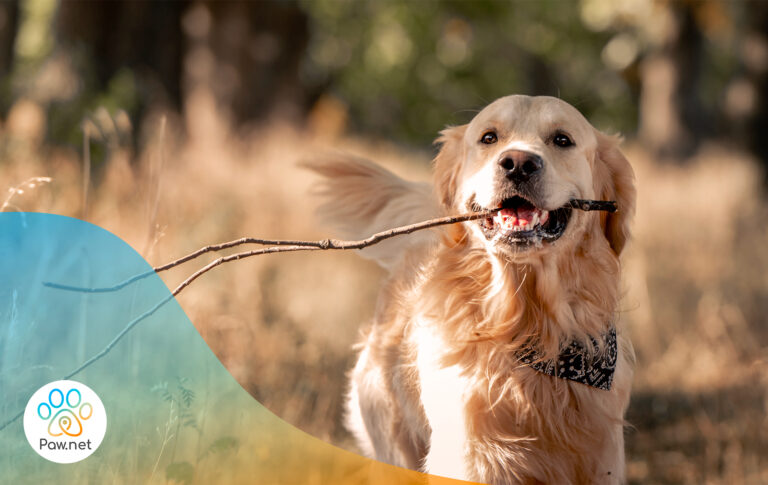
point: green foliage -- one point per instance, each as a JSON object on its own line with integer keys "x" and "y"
{"x": 406, "y": 69}
{"x": 63, "y": 80}
{"x": 182, "y": 396}
{"x": 66, "y": 117}
{"x": 223, "y": 444}
{"x": 181, "y": 472}
{"x": 182, "y": 400}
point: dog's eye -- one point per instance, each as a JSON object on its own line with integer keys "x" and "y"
{"x": 489, "y": 138}
{"x": 562, "y": 140}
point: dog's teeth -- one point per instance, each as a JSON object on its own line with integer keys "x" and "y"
{"x": 535, "y": 220}
{"x": 544, "y": 217}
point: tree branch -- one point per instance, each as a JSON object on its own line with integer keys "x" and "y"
{"x": 282, "y": 245}
{"x": 278, "y": 246}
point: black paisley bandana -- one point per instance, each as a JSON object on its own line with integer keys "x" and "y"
{"x": 574, "y": 364}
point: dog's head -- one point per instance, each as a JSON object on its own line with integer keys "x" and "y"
{"x": 529, "y": 156}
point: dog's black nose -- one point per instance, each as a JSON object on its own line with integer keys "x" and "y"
{"x": 519, "y": 166}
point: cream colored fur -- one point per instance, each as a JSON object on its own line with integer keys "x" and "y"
{"x": 437, "y": 386}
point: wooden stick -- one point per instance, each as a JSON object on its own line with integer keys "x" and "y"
{"x": 281, "y": 245}
{"x": 277, "y": 246}
{"x": 594, "y": 205}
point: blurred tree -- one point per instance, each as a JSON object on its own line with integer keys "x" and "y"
{"x": 144, "y": 38}
{"x": 406, "y": 69}
{"x": 672, "y": 118}
{"x": 683, "y": 53}
{"x": 752, "y": 85}
{"x": 9, "y": 14}
{"x": 674, "y": 72}
{"x": 257, "y": 49}
{"x": 139, "y": 53}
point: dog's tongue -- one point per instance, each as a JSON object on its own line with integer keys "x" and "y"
{"x": 525, "y": 215}
{"x": 521, "y": 216}
{"x": 508, "y": 218}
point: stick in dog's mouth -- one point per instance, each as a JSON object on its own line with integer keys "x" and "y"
{"x": 519, "y": 222}
{"x": 594, "y": 205}
{"x": 580, "y": 204}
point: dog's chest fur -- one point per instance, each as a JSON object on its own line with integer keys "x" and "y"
{"x": 443, "y": 397}
{"x": 484, "y": 427}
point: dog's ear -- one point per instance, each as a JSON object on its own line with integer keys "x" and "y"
{"x": 447, "y": 163}
{"x": 614, "y": 180}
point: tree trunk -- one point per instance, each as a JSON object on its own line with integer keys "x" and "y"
{"x": 145, "y": 37}
{"x": 9, "y": 20}
{"x": 672, "y": 118}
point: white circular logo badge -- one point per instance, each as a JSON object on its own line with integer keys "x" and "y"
{"x": 65, "y": 421}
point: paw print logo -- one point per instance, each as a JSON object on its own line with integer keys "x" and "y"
{"x": 66, "y": 412}
{"x": 65, "y": 421}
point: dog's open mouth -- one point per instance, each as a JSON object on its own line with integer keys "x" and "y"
{"x": 520, "y": 222}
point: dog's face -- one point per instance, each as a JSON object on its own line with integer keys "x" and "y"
{"x": 529, "y": 156}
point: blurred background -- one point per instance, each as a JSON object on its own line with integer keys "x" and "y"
{"x": 179, "y": 124}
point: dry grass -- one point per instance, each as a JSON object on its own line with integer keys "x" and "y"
{"x": 697, "y": 285}
{"x": 696, "y": 305}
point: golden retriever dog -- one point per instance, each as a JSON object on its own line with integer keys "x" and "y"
{"x": 493, "y": 355}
